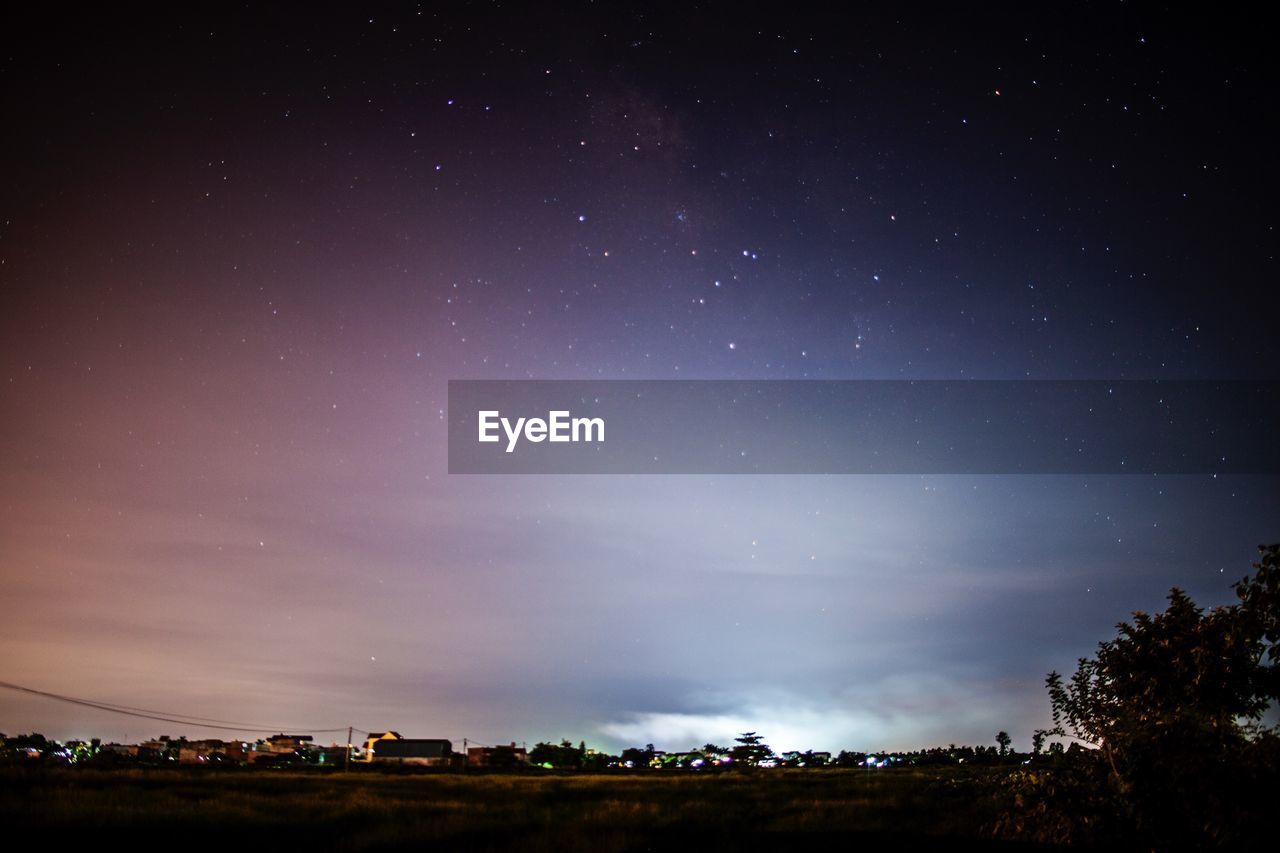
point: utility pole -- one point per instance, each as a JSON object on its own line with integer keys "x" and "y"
{"x": 346, "y": 765}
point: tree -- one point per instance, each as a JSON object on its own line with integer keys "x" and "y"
{"x": 563, "y": 756}
{"x": 1037, "y": 741}
{"x": 849, "y": 759}
{"x": 1173, "y": 706}
{"x": 1003, "y": 739}
{"x": 1260, "y": 612}
{"x": 1182, "y": 667}
{"x": 638, "y": 757}
{"x": 750, "y": 750}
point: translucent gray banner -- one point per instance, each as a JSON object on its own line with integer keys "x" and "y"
{"x": 863, "y": 427}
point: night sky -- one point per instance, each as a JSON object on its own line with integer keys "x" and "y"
{"x": 242, "y": 253}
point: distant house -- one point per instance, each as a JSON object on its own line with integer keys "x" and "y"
{"x": 334, "y": 753}
{"x": 805, "y": 759}
{"x": 287, "y": 743}
{"x": 497, "y": 756}
{"x": 206, "y": 751}
{"x": 155, "y": 750}
{"x": 427, "y": 752}
{"x": 677, "y": 759}
{"x": 372, "y": 740}
{"x": 186, "y": 751}
{"x": 281, "y": 748}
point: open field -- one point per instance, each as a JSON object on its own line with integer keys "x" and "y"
{"x": 941, "y": 808}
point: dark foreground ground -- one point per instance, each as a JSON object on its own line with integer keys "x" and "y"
{"x": 946, "y": 809}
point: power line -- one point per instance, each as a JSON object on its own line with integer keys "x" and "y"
{"x": 167, "y": 716}
{"x": 114, "y": 707}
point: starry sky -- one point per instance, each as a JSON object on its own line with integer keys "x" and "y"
{"x": 243, "y": 251}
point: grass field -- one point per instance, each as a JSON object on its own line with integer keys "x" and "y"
{"x": 777, "y": 810}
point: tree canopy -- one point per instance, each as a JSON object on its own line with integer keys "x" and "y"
{"x": 1174, "y": 705}
{"x": 1183, "y": 667}
{"x": 750, "y": 749}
